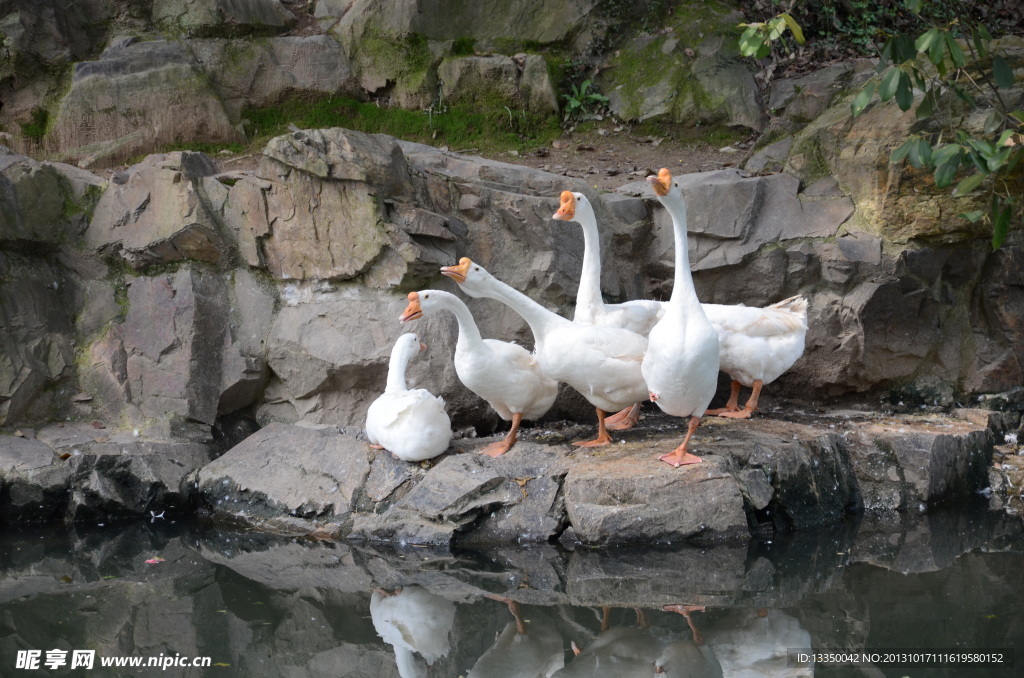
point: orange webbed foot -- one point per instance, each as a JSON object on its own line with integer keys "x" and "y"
{"x": 497, "y": 449}
{"x": 736, "y": 414}
{"x": 675, "y": 459}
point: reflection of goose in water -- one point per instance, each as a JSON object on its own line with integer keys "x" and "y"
{"x": 688, "y": 658}
{"x": 754, "y": 645}
{"x": 619, "y": 652}
{"x": 522, "y": 651}
{"x": 416, "y": 623}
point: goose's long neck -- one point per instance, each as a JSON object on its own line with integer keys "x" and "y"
{"x": 400, "y": 357}
{"x": 536, "y": 316}
{"x": 589, "y": 293}
{"x": 469, "y": 333}
{"x": 683, "y": 292}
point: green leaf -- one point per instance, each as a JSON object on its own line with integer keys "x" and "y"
{"x": 944, "y": 154}
{"x": 925, "y": 40}
{"x": 914, "y": 6}
{"x": 980, "y": 43}
{"x": 885, "y": 57}
{"x": 938, "y": 50}
{"x": 993, "y": 121}
{"x": 903, "y": 49}
{"x": 861, "y": 101}
{"x": 973, "y": 216}
{"x": 955, "y": 53}
{"x": 798, "y": 33}
{"x": 900, "y": 153}
{"x": 1000, "y": 225}
{"x": 904, "y": 93}
{"x": 927, "y": 105}
{"x": 889, "y": 83}
{"x": 920, "y": 154}
{"x": 962, "y": 94}
{"x": 776, "y": 27}
{"x": 1002, "y": 72}
{"x": 946, "y": 172}
{"x": 968, "y": 184}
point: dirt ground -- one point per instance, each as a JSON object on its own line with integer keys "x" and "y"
{"x": 611, "y": 155}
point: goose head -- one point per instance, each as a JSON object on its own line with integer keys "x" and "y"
{"x": 574, "y": 207}
{"x": 409, "y": 345}
{"x": 473, "y": 279}
{"x": 422, "y": 303}
{"x": 665, "y": 187}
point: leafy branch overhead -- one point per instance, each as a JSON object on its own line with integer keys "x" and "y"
{"x": 951, "y": 69}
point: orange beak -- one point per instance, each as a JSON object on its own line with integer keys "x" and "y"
{"x": 661, "y": 183}
{"x": 567, "y": 210}
{"x": 458, "y": 273}
{"x": 423, "y": 347}
{"x": 413, "y": 310}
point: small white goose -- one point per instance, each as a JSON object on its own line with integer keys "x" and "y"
{"x": 507, "y": 376}
{"x": 410, "y": 424}
{"x": 416, "y": 623}
{"x": 602, "y": 363}
{"x": 756, "y": 345}
{"x": 681, "y": 364}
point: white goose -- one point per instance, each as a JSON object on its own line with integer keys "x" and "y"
{"x": 756, "y": 345}
{"x": 602, "y": 363}
{"x": 681, "y": 364}
{"x": 411, "y": 424}
{"x": 521, "y": 652}
{"x": 507, "y": 376}
{"x": 416, "y": 623}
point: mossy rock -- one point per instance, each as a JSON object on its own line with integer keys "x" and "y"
{"x": 690, "y": 71}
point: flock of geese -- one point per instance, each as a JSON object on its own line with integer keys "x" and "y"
{"x": 739, "y": 643}
{"x": 615, "y": 355}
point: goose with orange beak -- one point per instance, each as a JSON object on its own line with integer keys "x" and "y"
{"x": 409, "y": 423}
{"x": 636, "y": 316}
{"x": 681, "y": 364}
{"x": 602, "y": 363}
{"x": 507, "y": 376}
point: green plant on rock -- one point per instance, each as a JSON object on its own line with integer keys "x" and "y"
{"x": 757, "y": 38}
{"x": 950, "y": 82}
{"x": 582, "y": 102}
{"x": 35, "y": 128}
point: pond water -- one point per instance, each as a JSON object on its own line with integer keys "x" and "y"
{"x": 949, "y": 583}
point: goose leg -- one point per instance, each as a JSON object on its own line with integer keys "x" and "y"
{"x": 686, "y": 610}
{"x": 680, "y": 456}
{"x": 502, "y": 446}
{"x": 751, "y": 405}
{"x": 624, "y": 419}
{"x": 602, "y": 433}
{"x": 375, "y": 446}
{"x": 734, "y": 401}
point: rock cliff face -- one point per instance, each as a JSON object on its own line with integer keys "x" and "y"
{"x": 181, "y": 300}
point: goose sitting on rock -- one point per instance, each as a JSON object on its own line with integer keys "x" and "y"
{"x": 602, "y": 363}
{"x": 507, "y": 376}
{"x": 681, "y": 364}
{"x": 409, "y": 423}
{"x": 416, "y": 623}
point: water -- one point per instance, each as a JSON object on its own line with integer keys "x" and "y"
{"x": 261, "y": 606}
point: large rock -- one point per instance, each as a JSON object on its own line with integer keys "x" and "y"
{"x": 36, "y": 338}
{"x": 76, "y": 472}
{"x": 689, "y": 72}
{"x": 490, "y": 82}
{"x": 221, "y": 17}
{"x": 136, "y": 97}
{"x": 164, "y": 361}
{"x": 287, "y": 470}
{"x": 265, "y": 72}
{"x": 154, "y": 215}
{"x": 763, "y": 474}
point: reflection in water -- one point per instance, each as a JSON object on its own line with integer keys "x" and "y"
{"x": 269, "y": 607}
{"x": 416, "y": 623}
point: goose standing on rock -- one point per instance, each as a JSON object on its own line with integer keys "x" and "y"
{"x": 602, "y": 363}
{"x": 681, "y": 364}
{"x": 636, "y": 316}
{"x": 507, "y": 376}
{"x": 410, "y": 424}
{"x": 756, "y": 345}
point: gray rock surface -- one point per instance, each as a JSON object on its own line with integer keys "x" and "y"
{"x": 78, "y": 473}
{"x": 761, "y": 474}
{"x": 218, "y": 17}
